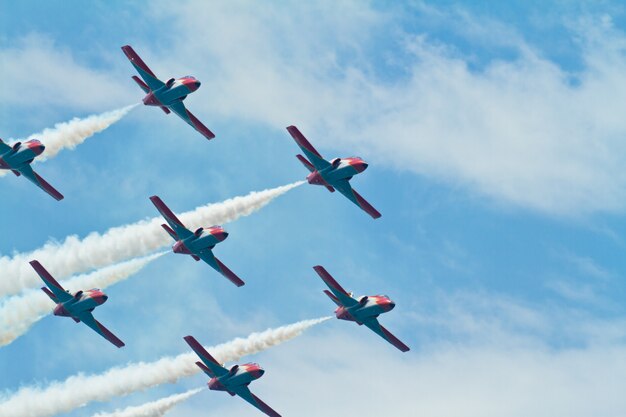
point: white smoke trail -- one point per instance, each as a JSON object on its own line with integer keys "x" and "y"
{"x": 119, "y": 243}
{"x": 20, "y": 312}
{"x": 68, "y": 135}
{"x": 76, "y": 391}
{"x": 156, "y": 408}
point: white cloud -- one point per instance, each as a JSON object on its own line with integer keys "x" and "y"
{"x": 39, "y": 72}
{"x": 519, "y": 131}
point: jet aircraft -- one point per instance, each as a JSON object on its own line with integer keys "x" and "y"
{"x": 335, "y": 174}
{"x": 197, "y": 244}
{"x": 18, "y": 158}
{"x": 363, "y": 310}
{"x": 169, "y": 95}
{"x": 234, "y": 381}
{"x": 78, "y": 306}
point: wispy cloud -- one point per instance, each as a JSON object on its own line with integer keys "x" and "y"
{"x": 43, "y": 72}
{"x": 523, "y": 130}
{"x": 78, "y": 390}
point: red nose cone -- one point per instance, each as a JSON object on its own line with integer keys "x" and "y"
{"x": 389, "y": 305}
{"x": 101, "y": 299}
{"x": 36, "y": 146}
{"x": 361, "y": 166}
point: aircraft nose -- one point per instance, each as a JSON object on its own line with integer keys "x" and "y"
{"x": 224, "y": 235}
{"x": 390, "y": 305}
{"x": 362, "y": 166}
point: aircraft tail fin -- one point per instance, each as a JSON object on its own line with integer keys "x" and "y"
{"x": 170, "y": 231}
{"x": 332, "y": 297}
{"x": 141, "y": 84}
{"x": 306, "y": 163}
{"x": 50, "y": 294}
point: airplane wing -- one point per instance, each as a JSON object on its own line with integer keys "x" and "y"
{"x": 182, "y": 112}
{"x": 32, "y": 176}
{"x": 4, "y": 147}
{"x": 57, "y": 290}
{"x": 146, "y": 73}
{"x": 343, "y": 186}
{"x": 374, "y": 325}
{"x": 211, "y": 365}
{"x": 87, "y": 318}
{"x": 245, "y": 393}
{"x": 316, "y": 159}
{"x": 208, "y": 257}
{"x": 171, "y": 218}
{"x": 344, "y": 298}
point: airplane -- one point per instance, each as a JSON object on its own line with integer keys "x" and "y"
{"x": 335, "y": 174}
{"x": 234, "y": 381}
{"x": 197, "y": 244}
{"x": 78, "y": 306}
{"x": 169, "y": 95}
{"x": 18, "y": 158}
{"x": 363, "y": 310}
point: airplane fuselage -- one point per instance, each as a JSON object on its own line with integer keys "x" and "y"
{"x": 201, "y": 239}
{"x": 81, "y": 302}
{"x": 368, "y": 307}
{"x": 21, "y": 154}
{"x": 339, "y": 169}
{"x": 237, "y": 376}
{"x": 174, "y": 90}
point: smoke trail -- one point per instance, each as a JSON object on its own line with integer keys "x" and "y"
{"x": 68, "y": 135}
{"x": 20, "y": 312}
{"x": 119, "y": 243}
{"x": 156, "y": 408}
{"x": 76, "y": 391}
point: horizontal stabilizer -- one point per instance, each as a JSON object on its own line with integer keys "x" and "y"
{"x": 305, "y": 162}
{"x": 50, "y": 294}
{"x": 141, "y": 84}
{"x": 205, "y": 369}
{"x": 170, "y": 231}
{"x": 332, "y": 297}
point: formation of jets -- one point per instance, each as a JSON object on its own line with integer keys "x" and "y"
{"x": 199, "y": 244}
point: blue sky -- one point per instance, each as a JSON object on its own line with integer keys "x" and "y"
{"x": 494, "y": 134}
